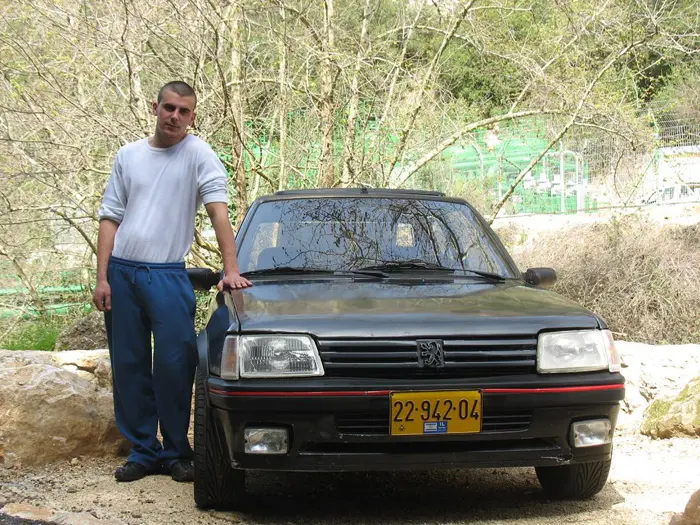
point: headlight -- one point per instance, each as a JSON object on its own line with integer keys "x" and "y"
{"x": 270, "y": 356}
{"x": 576, "y": 351}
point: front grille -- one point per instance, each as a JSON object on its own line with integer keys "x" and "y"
{"x": 377, "y": 423}
{"x": 391, "y": 358}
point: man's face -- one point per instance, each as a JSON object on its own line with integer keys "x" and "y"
{"x": 175, "y": 114}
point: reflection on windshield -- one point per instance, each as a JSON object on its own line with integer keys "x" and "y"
{"x": 348, "y": 234}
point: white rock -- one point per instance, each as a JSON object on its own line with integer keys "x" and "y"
{"x": 49, "y": 413}
{"x": 677, "y": 416}
{"x": 658, "y": 369}
{"x": 652, "y": 371}
{"x": 87, "y": 360}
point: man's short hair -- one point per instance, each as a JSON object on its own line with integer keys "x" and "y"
{"x": 181, "y": 88}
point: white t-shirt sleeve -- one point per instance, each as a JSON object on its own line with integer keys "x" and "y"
{"x": 116, "y": 195}
{"x": 211, "y": 178}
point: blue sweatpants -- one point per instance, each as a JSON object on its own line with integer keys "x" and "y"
{"x": 152, "y": 387}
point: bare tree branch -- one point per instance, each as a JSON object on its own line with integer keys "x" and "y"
{"x": 612, "y": 60}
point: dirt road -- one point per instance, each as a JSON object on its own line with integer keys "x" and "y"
{"x": 650, "y": 480}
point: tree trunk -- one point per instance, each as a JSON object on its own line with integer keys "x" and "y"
{"x": 237, "y": 102}
{"x": 283, "y": 102}
{"x": 326, "y": 176}
{"x": 349, "y": 147}
{"x": 133, "y": 37}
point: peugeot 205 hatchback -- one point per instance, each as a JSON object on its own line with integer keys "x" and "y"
{"x": 392, "y": 330}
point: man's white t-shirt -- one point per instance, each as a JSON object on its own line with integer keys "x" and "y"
{"x": 154, "y": 193}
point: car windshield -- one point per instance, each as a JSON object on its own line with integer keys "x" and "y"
{"x": 352, "y": 233}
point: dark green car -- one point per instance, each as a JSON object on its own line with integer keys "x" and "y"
{"x": 392, "y": 330}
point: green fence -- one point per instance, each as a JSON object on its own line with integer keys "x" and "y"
{"x": 67, "y": 293}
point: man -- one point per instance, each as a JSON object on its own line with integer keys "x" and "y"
{"x": 146, "y": 229}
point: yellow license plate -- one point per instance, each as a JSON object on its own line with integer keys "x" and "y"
{"x": 428, "y": 413}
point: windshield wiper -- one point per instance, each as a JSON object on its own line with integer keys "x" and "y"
{"x": 295, "y": 269}
{"x": 378, "y": 270}
{"x": 365, "y": 271}
{"x": 488, "y": 275}
{"x": 286, "y": 269}
{"x": 413, "y": 264}
{"x": 417, "y": 264}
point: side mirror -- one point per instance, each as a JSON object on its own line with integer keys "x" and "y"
{"x": 203, "y": 278}
{"x": 544, "y": 277}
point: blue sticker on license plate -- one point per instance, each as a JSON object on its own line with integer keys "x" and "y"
{"x": 435, "y": 427}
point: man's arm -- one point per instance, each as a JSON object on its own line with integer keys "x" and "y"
{"x": 102, "y": 296}
{"x": 111, "y": 214}
{"x": 218, "y": 213}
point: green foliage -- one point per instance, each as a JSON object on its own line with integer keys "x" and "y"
{"x": 204, "y": 305}
{"x": 680, "y": 91}
{"x": 486, "y": 85}
{"x": 34, "y": 334}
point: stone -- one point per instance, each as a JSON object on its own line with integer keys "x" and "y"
{"x": 657, "y": 370}
{"x": 82, "y": 518}
{"x": 50, "y": 414}
{"x": 691, "y": 514}
{"x": 652, "y": 372}
{"x": 674, "y": 416}
{"x": 103, "y": 373}
{"x": 28, "y": 512}
{"x": 93, "y": 365}
{"x": 3, "y": 501}
{"x": 87, "y": 333}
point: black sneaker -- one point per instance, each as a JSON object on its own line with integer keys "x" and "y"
{"x": 182, "y": 471}
{"x": 131, "y": 471}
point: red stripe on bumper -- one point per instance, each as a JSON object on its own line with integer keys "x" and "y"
{"x": 312, "y": 393}
{"x": 346, "y": 393}
{"x": 552, "y": 390}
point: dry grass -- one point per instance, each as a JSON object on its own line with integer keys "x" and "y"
{"x": 642, "y": 278}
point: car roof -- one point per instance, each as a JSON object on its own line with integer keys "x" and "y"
{"x": 354, "y": 192}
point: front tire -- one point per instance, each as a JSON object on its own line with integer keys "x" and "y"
{"x": 578, "y": 481}
{"x": 216, "y": 483}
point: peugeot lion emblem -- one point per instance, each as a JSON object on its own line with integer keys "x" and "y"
{"x": 431, "y": 353}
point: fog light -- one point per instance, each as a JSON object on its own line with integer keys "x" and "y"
{"x": 591, "y": 433}
{"x": 266, "y": 440}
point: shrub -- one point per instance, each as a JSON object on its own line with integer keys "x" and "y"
{"x": 642, "y": 278}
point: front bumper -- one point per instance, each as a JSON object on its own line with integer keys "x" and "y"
{"x": 343, "y": 427}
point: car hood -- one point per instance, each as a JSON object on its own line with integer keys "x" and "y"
{"x": 373, "y": 309}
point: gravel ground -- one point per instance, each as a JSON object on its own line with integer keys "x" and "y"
{"x": 649, "y": 482}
